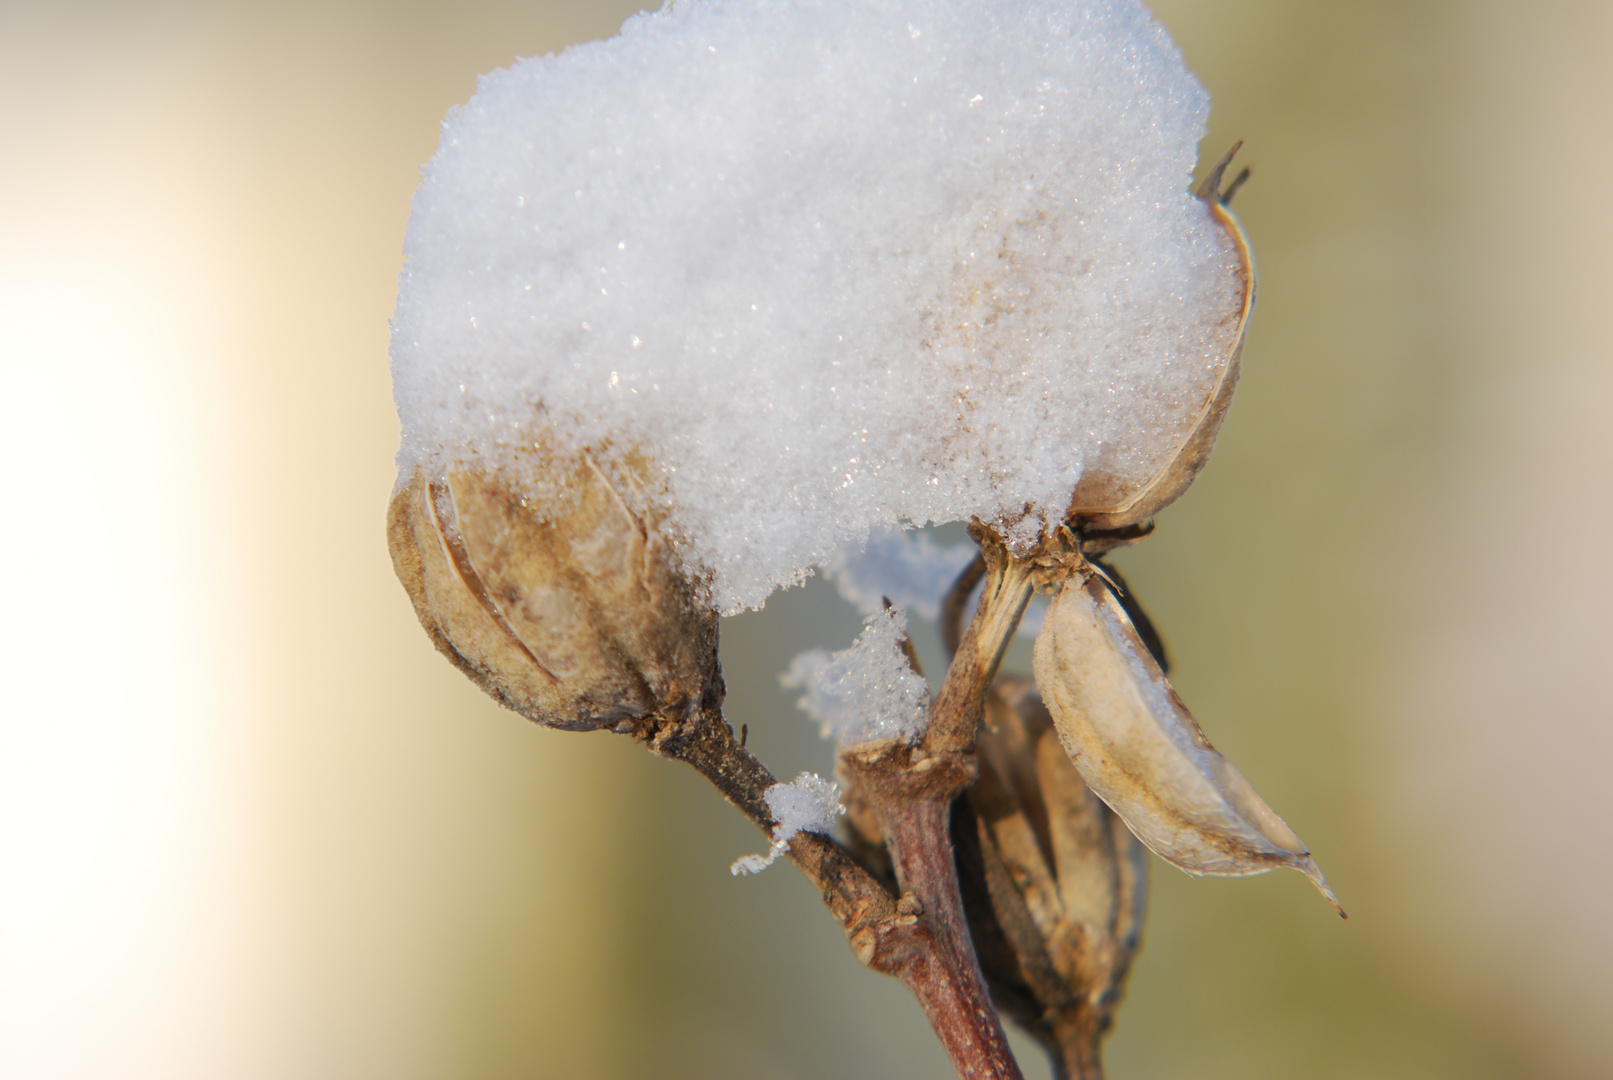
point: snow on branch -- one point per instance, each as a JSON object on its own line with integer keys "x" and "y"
{"x": 808, "y": 803}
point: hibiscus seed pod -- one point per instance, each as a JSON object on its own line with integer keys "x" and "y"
{"x": 1141, "y": 751}
{"x": 1055, "y": 884}
{"x": 575, "y": 617}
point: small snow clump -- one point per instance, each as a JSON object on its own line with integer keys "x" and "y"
{"x": 808, "y": 803}
{"x": 867, "y": 692}
{"x": 812, "y": 267}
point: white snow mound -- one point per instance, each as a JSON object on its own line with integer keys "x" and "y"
{"x": 825, "y": 265}
{"x": 865, "y": 693}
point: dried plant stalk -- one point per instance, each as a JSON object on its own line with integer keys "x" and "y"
{"x": 580, "y": 617}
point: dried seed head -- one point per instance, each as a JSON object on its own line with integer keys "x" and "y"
{"x": 1141, "y": 751}
{"x": 1055, "y": 884}
{"x": 1104, "y": 500}
{"x": 574, "y": 615}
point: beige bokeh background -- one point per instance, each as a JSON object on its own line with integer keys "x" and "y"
{"x": 254, "y": 827}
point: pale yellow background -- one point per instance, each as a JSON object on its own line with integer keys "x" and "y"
{"x": 254, "y": 827}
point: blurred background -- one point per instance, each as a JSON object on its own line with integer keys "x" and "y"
{"x": 253, "y": 826}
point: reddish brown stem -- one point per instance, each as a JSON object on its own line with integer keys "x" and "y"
{"x": 947, "y": 982}
{"x": 925, "y": 943}
{"x": 911, "y": 787}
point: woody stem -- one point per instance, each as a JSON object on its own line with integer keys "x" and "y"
{"x": 949, "y": 985}
{"x": 924, "y": 944}
{"x": 912, "y": 787}
{"x": 924, "y": 939}
{"x": 956, "y": 713}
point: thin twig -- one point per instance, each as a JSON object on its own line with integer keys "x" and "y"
{"x": 704, "y": 741}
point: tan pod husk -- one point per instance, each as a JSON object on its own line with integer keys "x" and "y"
{"x": 1141, "y": 751}
{"x": 1103, "y": 501}
{"x": 576, "y": 618}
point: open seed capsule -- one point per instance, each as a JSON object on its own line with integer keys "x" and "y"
{"x": 1140, "y": 750}
{"x": 1054, "y": 884}
{"x": 575, "y": 617}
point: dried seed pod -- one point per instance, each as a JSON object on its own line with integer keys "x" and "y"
{"x": 1055, "y": 885}
{"x": 1103, "y": 501}
{"x": 576, "y": 617}
{"x": 1141, "y": 751}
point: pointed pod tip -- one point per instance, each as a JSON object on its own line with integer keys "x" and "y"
{"x": 1308, "y": 867}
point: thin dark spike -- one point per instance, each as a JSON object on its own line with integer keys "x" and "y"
{"x": 744, "y": 733}
{"x": 1232, "y": 188}
{"x": 1211, "y": 187}
{"x": 906, "y": 644}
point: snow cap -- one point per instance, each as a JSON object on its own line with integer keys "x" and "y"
{"x": 819, "y": 266}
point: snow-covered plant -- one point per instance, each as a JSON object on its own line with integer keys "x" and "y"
{"x": 752, "y": 287}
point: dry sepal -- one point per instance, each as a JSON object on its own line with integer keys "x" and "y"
{"x": 575, "y": 616}
{"x": 1141, "y": 751}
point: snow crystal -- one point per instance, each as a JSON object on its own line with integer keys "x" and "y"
{"x": 820, "y": 266}
{"x": 864, "y": 693}
{"x": 808, "y": 803}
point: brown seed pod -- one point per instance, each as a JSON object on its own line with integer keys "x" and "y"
{"x": 1055, "y": 885}
{"x": 1103, "y": 501}
{"x": 575, "y": 617}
